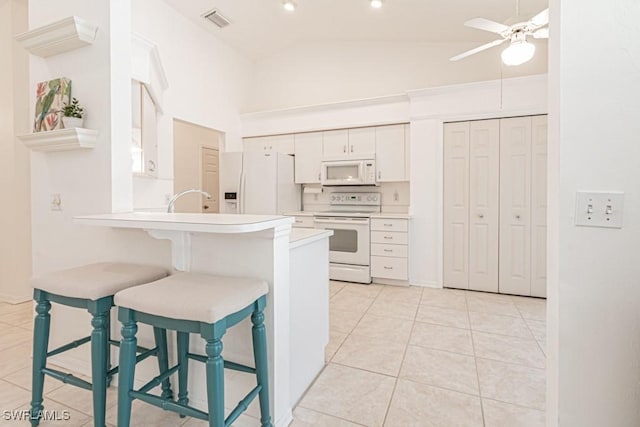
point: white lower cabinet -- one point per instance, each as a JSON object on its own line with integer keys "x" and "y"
{"x": 389, "y": 248}
{"x": 303, "y": 222}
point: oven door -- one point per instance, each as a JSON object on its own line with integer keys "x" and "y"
{"x": 350, "y": 241}
{"x": 347, "y": 172}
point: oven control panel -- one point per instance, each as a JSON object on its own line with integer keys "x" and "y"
{"x": 355, "y": 199}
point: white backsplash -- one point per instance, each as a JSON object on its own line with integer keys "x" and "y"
{"x": 395, "y": 196}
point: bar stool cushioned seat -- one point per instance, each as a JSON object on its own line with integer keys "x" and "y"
{"x": 194, "y": 303}
{"x": 173, "y": 297}
{"x": 94, "y": 281}
{"x": 90, "y": 287}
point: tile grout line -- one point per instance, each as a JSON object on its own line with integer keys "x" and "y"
{"x": 404, "y": 355}
{"x": 475, "y": 361}
{"x": 532, "y": 334}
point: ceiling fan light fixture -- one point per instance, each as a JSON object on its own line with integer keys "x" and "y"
{"x": 376, "y": 4}
{"x": 518, "y": 52}
{"x": 289, "y": 5}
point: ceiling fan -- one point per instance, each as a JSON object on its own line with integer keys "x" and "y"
{"x": 519, "y": 50}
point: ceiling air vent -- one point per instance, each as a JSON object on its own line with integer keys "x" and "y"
{"x": 216, "y": 17}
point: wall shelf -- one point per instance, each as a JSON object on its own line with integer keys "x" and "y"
{"x": 60, "y": 140}
{"x": 58, "y": 37}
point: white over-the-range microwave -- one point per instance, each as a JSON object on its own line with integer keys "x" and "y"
{"x": 349, "y": 172}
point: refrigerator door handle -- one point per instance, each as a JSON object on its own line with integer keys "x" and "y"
{"x": 241, "y": 199}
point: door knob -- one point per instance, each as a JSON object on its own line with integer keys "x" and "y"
{"x": 480, "y": 215}
{"x": 517, "y": 216}
{"x": 206, "y": 207}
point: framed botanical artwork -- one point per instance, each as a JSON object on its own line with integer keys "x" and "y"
{"x": 51, "y": 98}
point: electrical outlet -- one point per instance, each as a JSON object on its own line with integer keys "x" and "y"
{"x": 56, "y": 202}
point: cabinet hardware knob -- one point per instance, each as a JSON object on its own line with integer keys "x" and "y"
{"x": 379, "y": 174}
{"x": 388, "y": 237}
{"x": 388, "y": 268}
{"x": 388, "y": 250}
{"x": 388, "y": 225}
{"x": 344, "y": 148}
{"x": 352, "y": 148}
{"x": 206, "y": 207}
{"x": 517, "y": 216}
{"x": 480, "y": 215}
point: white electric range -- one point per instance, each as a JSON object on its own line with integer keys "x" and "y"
{"x": 349, "y": 249}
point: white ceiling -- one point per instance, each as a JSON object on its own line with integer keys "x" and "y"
{"x": 260, "y": 28}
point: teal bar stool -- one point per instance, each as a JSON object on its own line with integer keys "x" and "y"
{"x": 199, "y": 304}
{"x": 90, "y": 287}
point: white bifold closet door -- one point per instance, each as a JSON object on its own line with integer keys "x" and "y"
{"x": 471, "y": 184}
{"x": 495, "y": 194}
{"x": 456, "y": 205}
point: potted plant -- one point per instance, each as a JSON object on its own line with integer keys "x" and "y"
{"x": 73, "y": 114}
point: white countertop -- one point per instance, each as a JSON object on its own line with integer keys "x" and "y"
{"x": 191, "y": 222}
{"x": 304, "y": 236}
{"x": 299, "y": 213}
{"x": 391, "y": 215}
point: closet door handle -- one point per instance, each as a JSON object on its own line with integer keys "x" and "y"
{"x": 480, "y": 215}
{"x": 517, "y": 216}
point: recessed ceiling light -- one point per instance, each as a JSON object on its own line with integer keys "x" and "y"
{"x": 289, "y": 5}
{"x": 376, "y": 4}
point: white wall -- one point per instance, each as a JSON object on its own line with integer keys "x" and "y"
{"x": 318, "y": 73}
{"x": 208, "y": 84}
{"x": 594, "y": 350}
{"x": 15, "y": 224}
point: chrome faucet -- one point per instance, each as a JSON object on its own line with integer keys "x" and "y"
{"x": 173, "y": 200}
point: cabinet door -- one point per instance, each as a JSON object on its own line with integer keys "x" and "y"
{"x": 282, "y": 144}
{"x": 362, "y": 141}
{"x": 484, "y": 180}
{"x": 515, "y": 206}
{"x": 390, "y": 153}
{"x": 308, "y": 150}
{"x": 539, "y": 206}
{"x": 335, "y": 143}
{"x": 456, "y": 205}
{"x": 259, "y": 144}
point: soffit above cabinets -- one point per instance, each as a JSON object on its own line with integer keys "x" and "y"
{"x": 260, "y": 28}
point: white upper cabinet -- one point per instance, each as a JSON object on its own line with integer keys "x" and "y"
{"x": 359, "y": 142}
{"x": 391, "y": 144}
{"x": 308, "y": 150}
{"x": 362, "y": 141}
{"x": 279, "y": 144}
{"x": 335, "y": 143}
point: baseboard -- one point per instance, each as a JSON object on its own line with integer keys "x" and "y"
{"x": 390, "y": 282}
{"x": 429, "y": 284}
{"x": 15, "y": 299}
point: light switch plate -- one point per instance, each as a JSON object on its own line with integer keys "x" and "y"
{"x": 599, "y": 209}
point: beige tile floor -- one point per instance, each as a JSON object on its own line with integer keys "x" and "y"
{"x": 397, "y": 357}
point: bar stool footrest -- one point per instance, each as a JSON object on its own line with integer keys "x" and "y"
{"x": 243, "y": 405}
{"x": 169, "y": 405}
{"x": 227, "y": 364}
{"x": 158, "y": 380}
{"x": 67, "y": 378}
{"x": 69, "y": 346}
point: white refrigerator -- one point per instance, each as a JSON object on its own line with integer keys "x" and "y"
{"x": 258, "y": 183}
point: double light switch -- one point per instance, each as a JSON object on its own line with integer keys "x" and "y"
{"x": 596, "y": 209}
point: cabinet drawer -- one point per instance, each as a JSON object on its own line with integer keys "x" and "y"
{"x": 398, "y": 251}
{"x": 382, "y": 224}
{"x": 389, "y": 237}
{"x": 303, "y": 222}
{"x": 389, "y": 268}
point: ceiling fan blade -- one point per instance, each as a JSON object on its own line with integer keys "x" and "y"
{"x": 541, "y": 19}
{"x": 487, "y": 25}
{"x": 478, "y": 49}
{"x": 542, "y": 33}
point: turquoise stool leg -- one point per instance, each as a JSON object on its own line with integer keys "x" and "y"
{"x": 215, "y": 382}
{"x": 42, "y": 324}
{"x": 261, "y": 360}
{"x": 108, "y": 366}
{"x": 127, "y": 365}
{"x": 183, "y": 370}
{"x": 163, "y": 360}
{"x": 100, "y": 310}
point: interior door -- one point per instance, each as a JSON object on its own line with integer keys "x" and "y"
{"x": 456, "y": 205}
{"x": 484, "y": 186}
{"x": 515, "y": 206}
{"x": 210, "y": 179}
{"x": 539, "y": 206}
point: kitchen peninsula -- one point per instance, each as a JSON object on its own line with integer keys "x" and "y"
{"x": 296, "y": 266}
